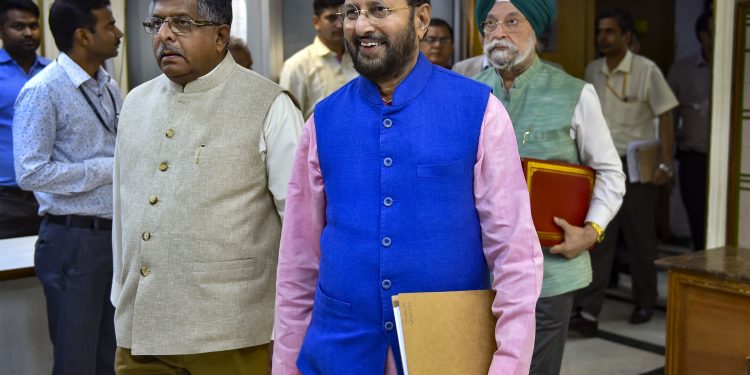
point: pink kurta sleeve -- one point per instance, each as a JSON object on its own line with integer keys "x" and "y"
{"x": 510, "y": 243}
{"x": 299, "y": 253}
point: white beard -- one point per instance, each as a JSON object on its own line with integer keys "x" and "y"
{"x": 510, "y": 57}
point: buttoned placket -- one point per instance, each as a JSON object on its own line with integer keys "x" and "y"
{"x": 388, "y": 132}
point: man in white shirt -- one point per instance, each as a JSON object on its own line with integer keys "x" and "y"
{"x": 634, "y": 94}
{"x": 322, "y": 67}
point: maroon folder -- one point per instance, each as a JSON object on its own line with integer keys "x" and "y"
{"x": 557, "y": 189}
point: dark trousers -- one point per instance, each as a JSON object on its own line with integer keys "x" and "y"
{"x": 74, "y": 266}
{"x": 693, "y": 175}
{"x": 552, "y": 316}
{"x": 636, "y": 223}
{"x": 19, "y": 215}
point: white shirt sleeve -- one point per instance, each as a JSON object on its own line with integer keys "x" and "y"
{"x": 278, "y": 143}
{"x": 596, "y": 150}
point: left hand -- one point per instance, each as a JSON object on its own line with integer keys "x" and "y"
{"x": 575, "y": 239}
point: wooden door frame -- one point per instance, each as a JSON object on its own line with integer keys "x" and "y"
{"x": 742, "y": 12}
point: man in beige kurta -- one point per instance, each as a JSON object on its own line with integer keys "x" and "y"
{"x": 203, "y": 156}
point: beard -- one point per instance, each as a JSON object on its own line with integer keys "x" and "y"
{"x": 508, "y": 58}
{"x": 398, "y": 52}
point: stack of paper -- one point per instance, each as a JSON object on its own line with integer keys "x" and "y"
{"x": 446, "y": 332}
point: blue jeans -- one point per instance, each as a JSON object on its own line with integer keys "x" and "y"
{"x": 74, "y": 266}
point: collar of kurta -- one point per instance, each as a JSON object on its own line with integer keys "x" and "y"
{"x": 527, "y": 75}
{"x": 624, "y": 66}
{"x": 407, "y": 90}
{"x": 211, "y": 80}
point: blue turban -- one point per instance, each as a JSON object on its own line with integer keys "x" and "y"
{"x": 539, "y": 13}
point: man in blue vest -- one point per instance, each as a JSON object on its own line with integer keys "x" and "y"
{"x": 407, "y": 179}
{"x": 555, "y": 117}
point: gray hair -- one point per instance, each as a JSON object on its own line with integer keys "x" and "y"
{"x": 219, "y": 11}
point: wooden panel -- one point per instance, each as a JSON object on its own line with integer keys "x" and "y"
{"x": 575, "y": 36}
{"x": 743, "y": 237}
{"x": 708, "y": 322}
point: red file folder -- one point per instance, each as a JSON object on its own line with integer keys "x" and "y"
{"x": 557, "y": 189}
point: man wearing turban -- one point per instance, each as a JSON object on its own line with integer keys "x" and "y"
{"x": 555, "y": 117}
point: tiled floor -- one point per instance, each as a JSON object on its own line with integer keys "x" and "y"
{"x": 620, "y": 347}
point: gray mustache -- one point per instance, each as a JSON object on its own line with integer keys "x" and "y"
{"x": 164, "y": 49}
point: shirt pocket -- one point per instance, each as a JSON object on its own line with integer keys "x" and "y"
{"x": 635, "y": 111}
{"x": 446, "y": 170}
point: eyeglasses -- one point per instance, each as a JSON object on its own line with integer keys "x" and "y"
{"x": 510, "y": 25}
{"x": 178, "y": 24}
{"x": 432, "y": 40}
{"x": 349, "y": 13}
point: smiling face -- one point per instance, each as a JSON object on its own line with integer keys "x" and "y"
{"x": 385, "y": 48}
{"x": 187, "y": 56}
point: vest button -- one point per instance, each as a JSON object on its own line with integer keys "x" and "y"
{"x": 386, "y": 284}
{"x": 163, "y": 166}
{"x": 145, "y": 271}
{"x": 388, "y": 201}
{"x": 387, "y": 123}
{"x": 387, "y": 162}
{"x": 388, "y": 326}
{"x": 169, "y": 133}
{"x": 152, "y": 200}
{"x": 386, "y": 241}
{"x": 146, "y": 236}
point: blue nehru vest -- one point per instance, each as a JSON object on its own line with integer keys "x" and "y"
{"x": 400, "y": 212}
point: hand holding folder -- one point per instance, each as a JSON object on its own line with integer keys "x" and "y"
{"x": 446, "y": 332}
{"x": 557, "y": 189}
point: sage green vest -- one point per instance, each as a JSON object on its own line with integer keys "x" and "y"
{"x": 541, "y": 105}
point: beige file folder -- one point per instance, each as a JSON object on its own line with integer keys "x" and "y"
{"x": 447, "y": 332}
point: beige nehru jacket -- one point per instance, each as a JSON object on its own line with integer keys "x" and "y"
{"x": 196, "y": 229}
{"x": 632, "y": 96}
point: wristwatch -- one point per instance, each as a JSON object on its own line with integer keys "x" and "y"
{"x": 666, "y": 169}
{"x": 599, "y": 231}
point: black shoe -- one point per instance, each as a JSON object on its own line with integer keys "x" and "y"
{"x": 584, "y": 327}
{"x": 641, "y": 315}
